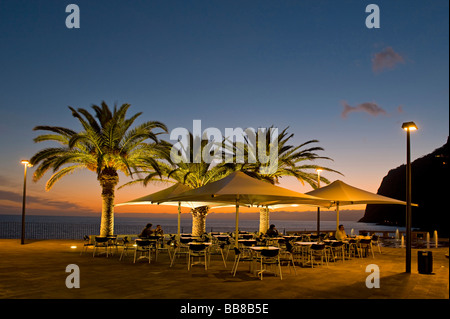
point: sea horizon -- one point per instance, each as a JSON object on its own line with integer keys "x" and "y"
{"x": 73, "y": 227}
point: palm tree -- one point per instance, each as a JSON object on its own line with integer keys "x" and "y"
{"x": 189, "y": 168}
{"x": 281, "y": 160}
{"x": 106, "y": 145}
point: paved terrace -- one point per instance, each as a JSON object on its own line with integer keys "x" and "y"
{"x": 36, "y": 270}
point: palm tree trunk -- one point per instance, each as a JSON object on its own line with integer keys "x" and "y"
{"x": 263, "y": 220}
{"x": 198, "y": 220}
{"x": 108, "y": 183}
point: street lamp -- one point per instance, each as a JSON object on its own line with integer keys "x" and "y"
{"x": 408, "y": 127}
{"x": 318, "y": 170}
{"x": 26, "y": 165}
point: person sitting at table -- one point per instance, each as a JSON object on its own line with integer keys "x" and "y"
{"x": 272, "y": 231}
{"x": 147, "y": 231}
{"x": 158, "y": 231}
{"x": 341, "y": 234}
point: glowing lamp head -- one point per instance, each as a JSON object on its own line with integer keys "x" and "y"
{"x": 409, "y": 126}
{"x": 25, "y": 162}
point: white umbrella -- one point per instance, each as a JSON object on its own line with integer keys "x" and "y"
{"x": 239, "y": 188}
{"x": 162, "y": 196}
{"x": 342, "y": 194}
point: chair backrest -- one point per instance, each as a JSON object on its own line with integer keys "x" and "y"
{"x": 237, "y": 251}
{"x": 249, "y": 243}
{"x": 288, "y": 246}
{"x": 365, "y": 241}
{"x": 185, "y": 240}
{"x": 269, "y": 253}
{"x": 374, "y": 237}
{"x": 337, "y": 244}
{"x": 317, "y": 246}
{"x": 100, "y": 239}
{"x": 142, "y": 243}
{"x": 197, "y": 247}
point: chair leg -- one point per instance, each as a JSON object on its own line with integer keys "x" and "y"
{"x": 279, "y": 268}
{"x": 236, "y": 263}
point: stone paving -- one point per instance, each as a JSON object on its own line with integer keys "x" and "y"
{"x": 37, "y": 270}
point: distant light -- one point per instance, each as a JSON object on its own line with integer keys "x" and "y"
{"x": 73, "y": 247}
{"x": 319, "y": 170}
{"x": 295, "y": 205}
{"x": 409, "y": 126}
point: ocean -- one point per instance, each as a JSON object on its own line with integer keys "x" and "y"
{"x": 75, "y": 227}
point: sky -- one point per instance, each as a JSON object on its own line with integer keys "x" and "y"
{"x": 312, "y": 66}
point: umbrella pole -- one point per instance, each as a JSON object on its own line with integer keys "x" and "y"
{"x": 179, "y": 218}
{"x": 237, "y": 223}
{"x": 337, "y": 216}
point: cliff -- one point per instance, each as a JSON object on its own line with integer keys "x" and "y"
{"x": 430, "y": 190}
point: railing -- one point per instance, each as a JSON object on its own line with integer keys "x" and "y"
{"x": 34, "y": 230}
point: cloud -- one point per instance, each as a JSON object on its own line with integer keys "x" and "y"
{"x": 385, "y": 60}
{"x": 54, "y": 204}
{"x": 368, "y": 107}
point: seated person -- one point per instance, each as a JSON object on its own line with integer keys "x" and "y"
{"x": 272, "y": 231}
{"x": 158, "y": 231}
{"x": 341, "y": 234}
{"x": 147, "y": 231}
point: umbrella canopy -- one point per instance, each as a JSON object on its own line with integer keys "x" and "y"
{"x": 240, "y": 188}
{"x": 343, "y": 194}
{"x": 162, "y": 196}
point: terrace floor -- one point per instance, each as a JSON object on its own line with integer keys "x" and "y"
{"x": 37, "y": 270}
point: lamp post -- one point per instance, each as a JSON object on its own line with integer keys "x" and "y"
{"x": 26, "y": 165}
{"x": 408, "y": 127}
{"x": 318, "y": 208}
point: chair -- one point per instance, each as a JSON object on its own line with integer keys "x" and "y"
{"x": 101, "y": 242}
{"x": 365, "y": 245}
{"x": 239, "y": 257}
{"x": 87, "y": 243}
{"x": 112, "y": 242}
{"x": 337, "y": 249}
{"x": 197, "y": 250}
{"x": 317, "y": 250}
{"x": 180, "y": 248}
{"x": 287, "y": 255}
{"x": 376, "y": 242}
{"x": 126, "y": 245}
{"x": 352, "y": 248}
{"x": 269, "y": 257}
{"x": 143, "y": 247}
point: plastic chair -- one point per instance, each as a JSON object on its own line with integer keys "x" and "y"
{"x": 337, "y": 249}
{"x": 197, "y": 250}
{"x": 287, "y": 255}
{"x": 376, "y": 242}
{"x": 126, "y": 245}
{"x": 365, "y": 245}
{"x": 317, "y": 250}
{"x": 87, "y": 243}
{"x": 353, "y": 249}
{"x": 238, "y": 257}
{"x": 101, "y": 242}
{"x": 269, "y": 257}
{"x": 143, "y": 247}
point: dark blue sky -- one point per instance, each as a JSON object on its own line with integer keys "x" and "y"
{"x": 232, "y": 64}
